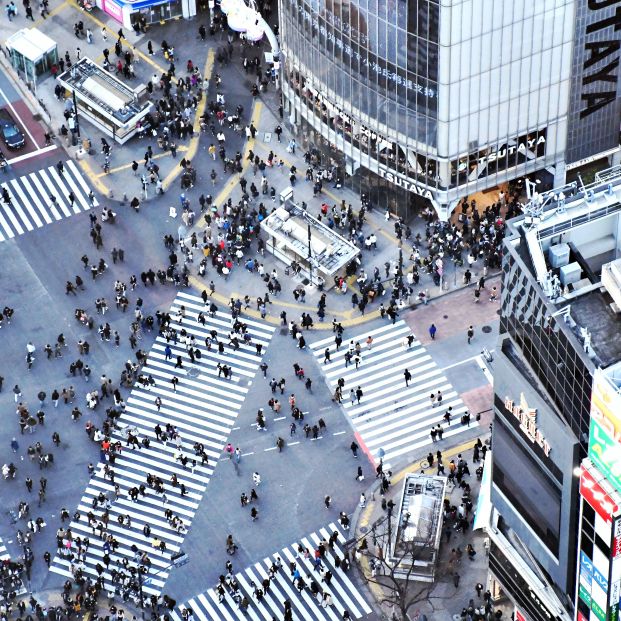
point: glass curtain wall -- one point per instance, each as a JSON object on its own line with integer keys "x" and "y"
{"x": 366, "y": 74}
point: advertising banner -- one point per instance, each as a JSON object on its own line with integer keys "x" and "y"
{"x": 596, "y": 496}
{"x": 605, "y": 452}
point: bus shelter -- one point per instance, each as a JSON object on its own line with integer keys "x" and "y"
{"x": 32, "y": 54}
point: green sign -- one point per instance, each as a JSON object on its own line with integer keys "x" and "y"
{"x": 597, "y": 609}
{"x": 585, "y": 596}
{"x": 613, "y": 613}
{"x": 605, "y": 453}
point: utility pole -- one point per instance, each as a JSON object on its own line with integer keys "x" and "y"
{"x": 310, "y": 256}
{"x": 75, "y": 112}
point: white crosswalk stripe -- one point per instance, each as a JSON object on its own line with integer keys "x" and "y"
{"x": 304, "y": 605}
{"x": 4, "y": 553}
{"x": 203, "y": 409}
{"x": 391, "y": 419}
{"x": 31, "y": 207}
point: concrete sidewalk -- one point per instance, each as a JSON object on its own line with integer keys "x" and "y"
{"x": 265, "y": 118}
{"x": 444, "y": 600}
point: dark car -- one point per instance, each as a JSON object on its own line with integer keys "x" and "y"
{"x": 11, "y": 134}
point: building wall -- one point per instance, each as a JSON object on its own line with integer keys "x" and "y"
{"x": 452, "y": 96}
{"x": 595, "y": 107}
{"x": 536, "y": 493}
{"x": 547, "y": 345}
{"x": 505, "y": 71}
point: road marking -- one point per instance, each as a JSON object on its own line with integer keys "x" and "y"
{"x": 27, "y": 156}
{"x": 338, "y": 433}
{"x": 88, "y": 171}
{"x": 483, "y": 366}
{"x": 19, "y": 118}
{"x": 460, "y": 362}
{"x": 180, "y": 149}
{"x": 193, "y": 146}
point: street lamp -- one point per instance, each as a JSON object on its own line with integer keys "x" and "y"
{"x": 310, "y": 257}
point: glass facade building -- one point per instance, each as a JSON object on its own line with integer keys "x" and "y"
{"x": 439, "y": 99}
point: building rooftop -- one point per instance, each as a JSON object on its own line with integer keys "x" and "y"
{"x": 416, "y": 539}
{"x": 96, "y": 85}
{"x": 293, "y": 227}
{"x": 570, "y": 240}
{"x": 593, "y": 311}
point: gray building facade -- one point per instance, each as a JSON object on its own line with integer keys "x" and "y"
{"x": 429, "y": 101}
{"x": 559, "y": 327}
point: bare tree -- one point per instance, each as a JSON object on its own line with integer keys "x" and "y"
{"x": 395, "y": 570}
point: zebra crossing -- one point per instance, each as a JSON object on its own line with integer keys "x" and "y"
{"x": 345, "y": 595}
{"x": 4, "y": 553}
{"x": 203, "y": 409}
{"x": 391, "y": 419}
{"x": 31, "y": 208}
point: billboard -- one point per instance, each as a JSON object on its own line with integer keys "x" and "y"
{"x": 605, "y": 429}
{"x": 597, "y": 496}
{"x": 605, "y": 453}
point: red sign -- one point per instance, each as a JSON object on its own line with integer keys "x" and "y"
{"x": 596, "y": 496}
{"x": 581, "y": 617}
{"x": 519, "y": 616}
{"x": 616, "y": 538}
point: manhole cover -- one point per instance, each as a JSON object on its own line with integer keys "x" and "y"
{"x": 498, "y": 312}
{"x": 486, "y": 329}
{"x": 364, "y": 529}
{"x": 444, "y": 316}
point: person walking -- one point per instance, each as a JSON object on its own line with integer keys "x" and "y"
{"x": 470, "y": 334}
{"x": 354, "y": 449}
{"x": 256, "y": 478}
{"x": 326, "y": 501}
{"x": 407, "y": 376}
{"x": 432, "y": 331}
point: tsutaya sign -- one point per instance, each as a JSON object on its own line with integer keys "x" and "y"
{"x": 602, "y": 44}
{"x": 525, "y": 146}
{"x": 528, "y": 422}
{"x": 407, "y": 184}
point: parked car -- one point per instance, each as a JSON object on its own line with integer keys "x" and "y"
{"x": 11, "y": 133}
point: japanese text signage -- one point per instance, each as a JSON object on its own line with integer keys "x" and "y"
{"x": 605, "y": 429}
{"x": 605, "y": 453}
{"x": 596, "y": 496}
{"x": 527, "y": 418}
